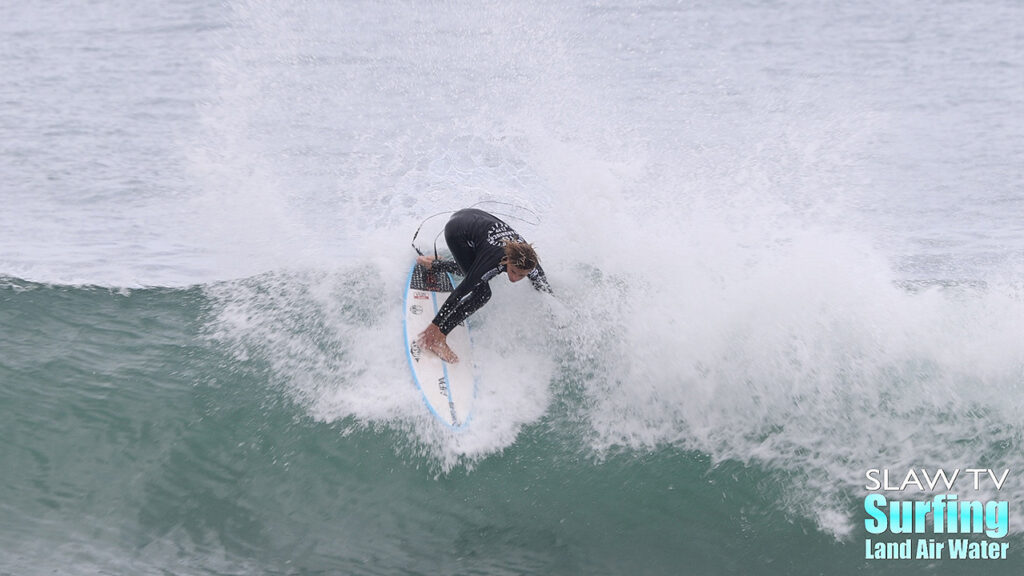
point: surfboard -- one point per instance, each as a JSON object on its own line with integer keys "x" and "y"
{"x": 448, "y": 389}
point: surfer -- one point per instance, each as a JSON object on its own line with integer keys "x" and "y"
{"x": 483, "y": 247}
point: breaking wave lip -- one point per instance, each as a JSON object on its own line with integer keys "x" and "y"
{"x": 816, "y": 367}
{"x": 820, "y": 379}
{"x": 743, "y": 320}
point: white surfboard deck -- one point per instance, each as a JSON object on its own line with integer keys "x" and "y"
{"x": 448, "y": 389}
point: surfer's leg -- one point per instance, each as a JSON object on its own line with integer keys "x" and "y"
{"x": 457, "y": 240}
{"x": 464, "y": 308}
{"x": 435, "y": 337}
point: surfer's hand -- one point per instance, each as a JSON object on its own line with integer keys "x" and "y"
{"x": 425, "y": 261}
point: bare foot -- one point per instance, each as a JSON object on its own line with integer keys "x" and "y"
{"x": 444, "y": 352}
{"x": 432, "y": 339}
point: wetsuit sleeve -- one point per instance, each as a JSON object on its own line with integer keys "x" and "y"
{"x": 539, "y": 280}
{"x": 472, "y": 293}
{"x": 446, "y": 266}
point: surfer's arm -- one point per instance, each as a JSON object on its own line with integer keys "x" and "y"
{"x": 539, "y": 280}
{"x": 431, "y": 263}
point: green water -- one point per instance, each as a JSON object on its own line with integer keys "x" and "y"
{"x": 136, "y": 444}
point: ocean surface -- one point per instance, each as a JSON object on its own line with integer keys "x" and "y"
{"x": 786, "y": 240}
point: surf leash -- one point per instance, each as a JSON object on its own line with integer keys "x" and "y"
{"x": 535, "y": 221}
{"x": 420, "y": 227}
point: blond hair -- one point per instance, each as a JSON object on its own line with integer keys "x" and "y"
{"x": 521, "y": 255}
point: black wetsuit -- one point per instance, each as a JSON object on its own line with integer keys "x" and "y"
{"x": 476, "y": 240}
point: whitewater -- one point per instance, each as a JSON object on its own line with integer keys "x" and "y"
{"x": 784, "y": 238}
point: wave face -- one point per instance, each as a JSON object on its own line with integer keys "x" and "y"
{"x": 784, "y": 244}
{"x": 138, "y": 441}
